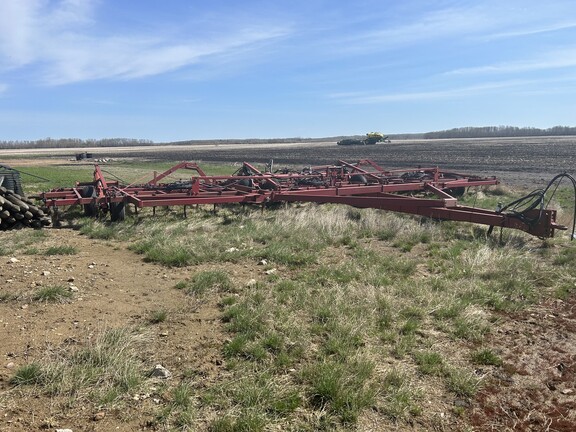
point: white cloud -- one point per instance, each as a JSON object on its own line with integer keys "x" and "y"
{"x": 449, "y": 93}
{"x": 558, "y": 59}
{"x": 415, "y": 27}
{"x": 88, "y": 58}
{"x": 59, "y": 38}
{"x": 413, "y": 23}
{"x": 17, "y": 24}
{"x": 529, "y": 31}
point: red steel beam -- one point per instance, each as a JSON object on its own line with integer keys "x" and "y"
{"x": 332, "y": 185}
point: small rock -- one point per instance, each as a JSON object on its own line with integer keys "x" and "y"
{"x": 63, "y": 430}
{"x": 91, "y": 266}
{"x": 271, "y": 271}
{"x": 70, "y": 279}
{"x": 45, "y": 273}
{"x": 251, "y": 282}
{"x": 13, "y": 260}
{"x": 10, "y": 365}
{"x": 232, "y": 249}
{"x": 567, "y": 391}
{"x": 9, "y": 280}
{"x": 262, "y": 262}
{"x": 160, "y": 371}
{"x": 73, "y": 288}
{"x": 462, "y": 403}
{"x": 99, "y": 416}
{"x": 163, "y": 334}
{"x": 24, "y": 306}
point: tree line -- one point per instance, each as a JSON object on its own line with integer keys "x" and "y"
{"x": 74, "y": 142}
{"x": 461, "y": 132}
{"x": 128, "y": 142}
{"x": 500, "y": 132}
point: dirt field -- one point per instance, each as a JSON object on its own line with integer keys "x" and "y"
{"x": 516, "y": 161}
{"x": 534, "y": 391}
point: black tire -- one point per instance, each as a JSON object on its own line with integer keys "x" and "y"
{"x": 91, "y": 209}
{"x": 358, "y": 179}
{"x": 246, "y": 182}
{"x": 117, "y": 212}
{"x": 8, "y": 183}
{"x": 456, "y": 192}
{"x": 268, "y": 186}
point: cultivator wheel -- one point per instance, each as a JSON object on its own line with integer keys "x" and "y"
{"x": 90, "y": 209}
{"x": 117, "y": 212}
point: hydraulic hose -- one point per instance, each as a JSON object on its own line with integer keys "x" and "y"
{"x": 537, "y": 199}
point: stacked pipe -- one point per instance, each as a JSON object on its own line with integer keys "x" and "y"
{"x": 18, "y": 212}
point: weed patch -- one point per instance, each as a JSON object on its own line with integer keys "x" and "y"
{"x": 52, "y": 294}
{"x": 102, "y": 371}
{"x": 205, "y": 281}
{"x": 61, "y": 250}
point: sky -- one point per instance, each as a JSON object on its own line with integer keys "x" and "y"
{"x": 176, "y": 70}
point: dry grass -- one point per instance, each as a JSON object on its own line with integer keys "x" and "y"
{"x": 367, "y": 314}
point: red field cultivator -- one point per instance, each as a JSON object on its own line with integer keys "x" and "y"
{"x": 429, "y": 192}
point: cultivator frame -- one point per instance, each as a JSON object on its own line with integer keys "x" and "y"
{"x": 429, "y": 192}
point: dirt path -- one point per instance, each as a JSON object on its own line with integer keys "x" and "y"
{"x": 535, "y": 389}
{"x": 115, "y": 289}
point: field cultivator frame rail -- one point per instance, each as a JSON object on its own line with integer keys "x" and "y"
{"x": 429, "y": 192}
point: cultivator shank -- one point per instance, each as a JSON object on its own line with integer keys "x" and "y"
{"x": 429, "y": 192}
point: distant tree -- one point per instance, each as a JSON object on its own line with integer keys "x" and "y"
{"x": 499, "y": 131}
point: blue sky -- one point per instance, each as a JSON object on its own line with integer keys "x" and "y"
{"x": 187, "y": 69}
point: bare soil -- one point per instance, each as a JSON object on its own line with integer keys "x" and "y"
{"x": 116, "y": 289}
{"x": 535, "y": 388}
{"x": 516, "y": 161}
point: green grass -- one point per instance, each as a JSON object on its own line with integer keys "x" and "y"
{"x": 340, "y": 389}
{"x": 486, "y": 356}
{"x": 400, "y": 401}
{"x": 56, "y": 176}
{"x": 30, "y": 374}
{"x": 52, "y": 294}
{"x": 103, "y": 370}
{"x": 205, "y": 281}
{"x": 462, "y": 382}
{"x": 127, "y": 171}
{"x": 429, "y": 362}
{"x": 61, "y": 250}
{"x": 22, "y": 241}
{"x": 157, "y": 316}
{"x": 567, "y": 257}
{"x": 368, "y": 316}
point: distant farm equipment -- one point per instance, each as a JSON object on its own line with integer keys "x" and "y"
{"x": 428, "y": 192}
{"x": 371, "y": 139}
